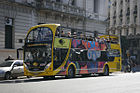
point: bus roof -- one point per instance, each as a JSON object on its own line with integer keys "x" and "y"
{"x": 43, "y": 25}
{"x": 109, "y": 36}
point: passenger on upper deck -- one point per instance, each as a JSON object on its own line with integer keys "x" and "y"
{"x": 57, "y": 33}
{"x": 97, "y": 39}
{"x": 62, "y": 34}
{"x": 69, "y": 34}
{"x": 74, "y": 35}
{"x": 82, "y": 36}
{"x": 90, "y": 38}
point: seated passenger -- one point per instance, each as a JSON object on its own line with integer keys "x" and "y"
{"x": 69, "y": 34}
{"x": 62, "y": 34}
{"x": 82, "y": 36}
{"x": 57, "y": 33}
{"x": 74, "y": 35}
{"x": 90, "y": 38}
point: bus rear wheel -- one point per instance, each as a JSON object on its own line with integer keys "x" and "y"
{"x": 106, "y": 71}
{"x": 71, "y": 72}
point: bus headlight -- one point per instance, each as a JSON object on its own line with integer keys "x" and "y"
{"x": 47, "y": 65}
{"x": 42, "y": 64}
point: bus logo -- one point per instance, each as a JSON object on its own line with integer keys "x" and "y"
{"x": 35, "y": 64}
{"x": 61, "y": 41}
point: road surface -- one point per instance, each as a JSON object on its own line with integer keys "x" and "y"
{"x": 115, "y": 83}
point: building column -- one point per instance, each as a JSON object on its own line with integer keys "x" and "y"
{"x": 138, "y": 17}
{"x": 123, "y": 32}
{"x": 131, "y": 24}
{"x": 118, "y": 13}
{"x": 111, "y": 15}
{"x": 124, "y": 18}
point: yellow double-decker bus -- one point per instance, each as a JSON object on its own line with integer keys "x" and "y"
{"x": 49, "y": 52}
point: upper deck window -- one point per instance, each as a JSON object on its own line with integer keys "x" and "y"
{"x": 40, "y": 34}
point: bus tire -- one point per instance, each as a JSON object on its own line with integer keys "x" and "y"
{"x": 106, "y": 71}
{"x": 71, "y": 72}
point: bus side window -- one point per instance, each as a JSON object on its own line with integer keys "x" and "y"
{"x": 56, "y": 58}
{"x": 73, "y": 55}
{"x": 63, "y": 54}
{"x": 59, "y": 57}
{"x": 84, "y": 55}
{"x": 103, "y": 56}
{"x": 77, "y": 55}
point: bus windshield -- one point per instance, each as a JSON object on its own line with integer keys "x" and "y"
{"x": 39, "y": 34}
{"x": 38, "y": 55}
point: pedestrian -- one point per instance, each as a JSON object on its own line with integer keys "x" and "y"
{"x": 127, "y": 66}
{"x": 9, "y": 58}
{"x": 133, "y": 64}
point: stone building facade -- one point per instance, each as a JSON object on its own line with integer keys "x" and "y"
{"x": 124, "y": 21}
{"x": 17, "y": 16}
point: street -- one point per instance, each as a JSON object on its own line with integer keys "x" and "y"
{"x": 115, "y": 83}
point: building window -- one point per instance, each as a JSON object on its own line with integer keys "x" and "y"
{"x": 128, "y": 20}
{"x": 121, "y": 13}
{"x": 127, "y": 0}
{"x": 134, "y": 31}
{"x": 109, "y": 4}
{"x": 114, "y": 22}
{"x": 58, "y": 0}
{"x": 8, "y": 32}
{"x": 135, "y": 10}
{"x": 135, "y": 19}
{"x": 96, "y": 4}
{"x": 139, "y": 43}
{"x": 120, "y": 21}
{"x": 121, "y": 2}
{"x": 73, "y": 2}
{"x": 127, "y": 32}
{"x": 114, "y": 17}
{"x": 128, "y": 11}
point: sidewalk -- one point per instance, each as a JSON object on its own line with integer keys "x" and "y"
{"x": 137, "y": 68}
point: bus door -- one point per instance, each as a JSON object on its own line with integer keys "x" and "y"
{"x": 61, "y": 47}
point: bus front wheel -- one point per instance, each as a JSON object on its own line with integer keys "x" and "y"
{"x": 71, "y": 72}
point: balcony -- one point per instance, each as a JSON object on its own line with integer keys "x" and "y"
{"x": 30, "y": 3}
{"x": 60, "y": 7}
{"x": 45, "y": 5}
